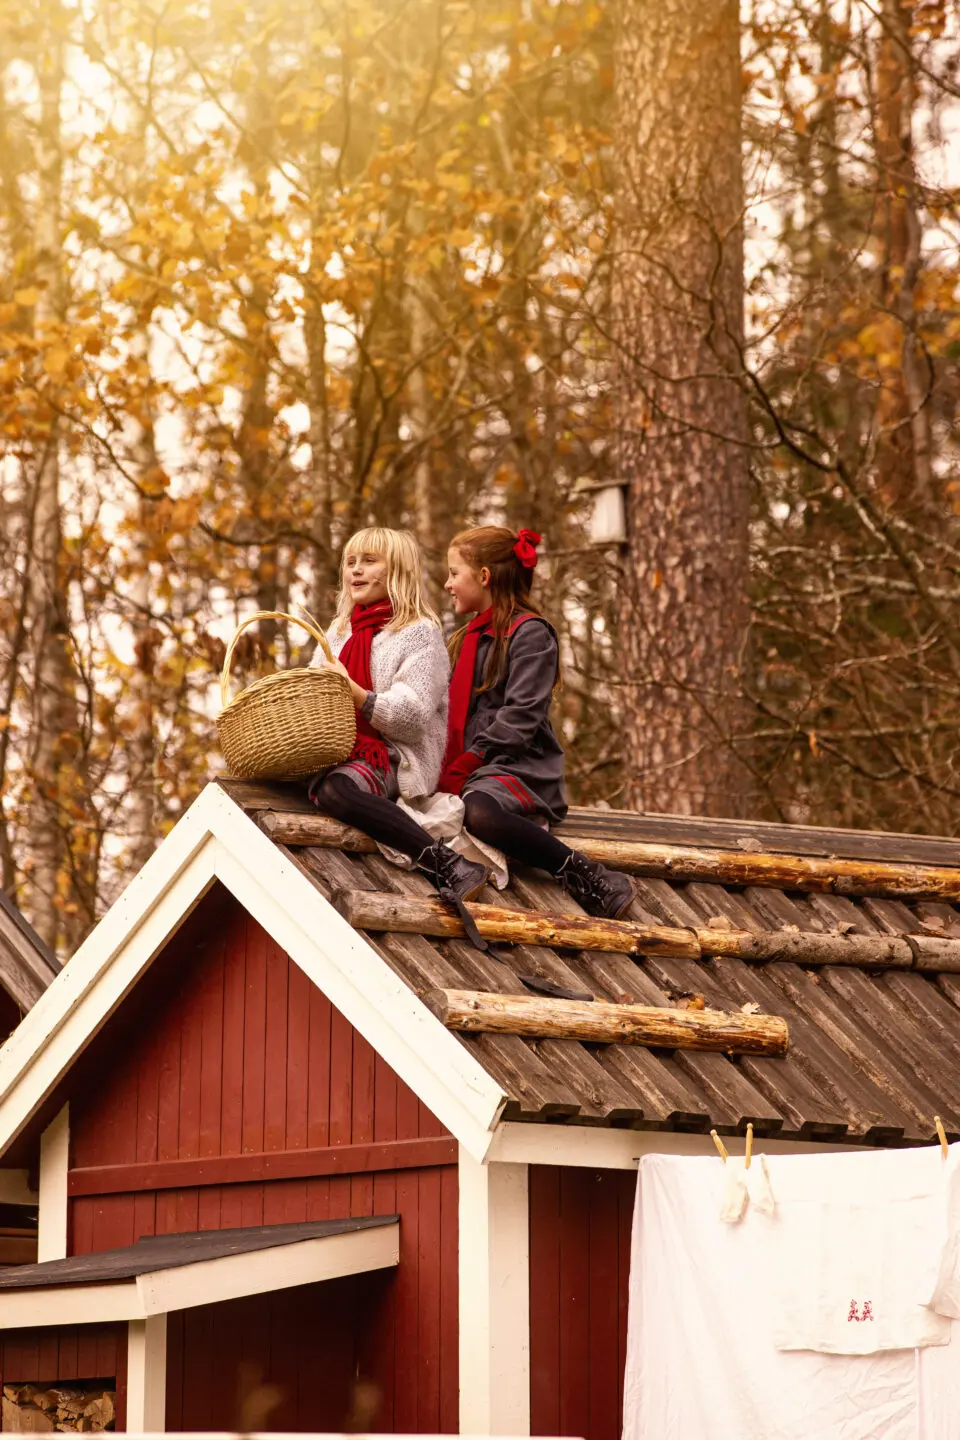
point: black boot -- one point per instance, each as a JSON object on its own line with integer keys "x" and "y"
{"x": 600, "y": 891}
{"x": 457, "y": 880}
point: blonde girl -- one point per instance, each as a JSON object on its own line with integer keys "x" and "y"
{"x": 387, "y": 641}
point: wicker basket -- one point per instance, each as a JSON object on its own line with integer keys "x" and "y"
{"x": 288, "y": 725}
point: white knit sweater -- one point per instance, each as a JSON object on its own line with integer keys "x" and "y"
{"x": 410, "y": 670}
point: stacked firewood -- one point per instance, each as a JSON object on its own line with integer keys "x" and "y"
{"x": 31, "y": 1409}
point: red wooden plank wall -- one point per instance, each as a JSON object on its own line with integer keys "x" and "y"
{"x": 293, "y": 1357}
{"x": 580, "y": 1224}
{"x": 227, "y": 1048}
{"x": 66, "y": 1352}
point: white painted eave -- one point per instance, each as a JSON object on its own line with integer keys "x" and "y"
{"x": 204, "y": 1282}
{"x": 599, "y": 1147}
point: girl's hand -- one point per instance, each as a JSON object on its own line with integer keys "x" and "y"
{"x": 337, "y": 666}
{"x": 357, "y": 691}
{"x": 458, "y": 772}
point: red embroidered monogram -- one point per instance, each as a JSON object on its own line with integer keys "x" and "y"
{"x": 859, "y": 1315}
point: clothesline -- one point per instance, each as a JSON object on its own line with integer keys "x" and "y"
{"x": 724, "y": 1153}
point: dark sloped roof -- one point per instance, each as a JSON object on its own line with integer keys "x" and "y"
{"x": 874, "y": 1054}
{"x": 166, "y": 1252}
{"x": 27, "y": 965}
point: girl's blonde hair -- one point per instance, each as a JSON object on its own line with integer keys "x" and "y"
{"x": 404, "y": 577}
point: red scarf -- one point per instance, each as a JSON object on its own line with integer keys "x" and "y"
{"x": 461, "y": 685}
{"x": 366, "y": 621}
{"x": 461, "y": 681}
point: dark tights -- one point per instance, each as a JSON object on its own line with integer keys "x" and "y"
{"x": 382, "y": 820}
{"x": 375, "y": 815}
{"x": 519, "y": 839}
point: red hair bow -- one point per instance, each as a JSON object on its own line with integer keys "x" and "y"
{"x": 526, "y": 548}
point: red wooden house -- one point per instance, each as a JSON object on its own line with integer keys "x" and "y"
{"x": 276, "y": 1192}
{"x": 27, "y": 967}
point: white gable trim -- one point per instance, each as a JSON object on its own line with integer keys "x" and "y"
{"x": 215, "y": 840}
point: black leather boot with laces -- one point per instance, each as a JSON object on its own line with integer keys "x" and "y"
{"x": 457, "y": 880}
{"x": 600, "y": 891}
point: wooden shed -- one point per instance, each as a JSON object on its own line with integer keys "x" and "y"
{"x": 27, "y": 967}
{"x": 277, "y": 1192}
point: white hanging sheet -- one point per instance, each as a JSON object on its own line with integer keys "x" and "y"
{"x": 850, "y": 1278}
{"x": 944, "y": 1297}
{"x": 702, "y": 1362}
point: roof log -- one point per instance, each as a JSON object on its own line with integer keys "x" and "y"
{"x": 831, "y": 876}
{"x": 596, "y": 1022}
{"x": 384, "y": 911}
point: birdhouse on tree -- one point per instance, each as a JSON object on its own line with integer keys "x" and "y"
{"x": 607, "y": 518}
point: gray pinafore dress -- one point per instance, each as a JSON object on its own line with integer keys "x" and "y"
{"x": 509, "y": 725}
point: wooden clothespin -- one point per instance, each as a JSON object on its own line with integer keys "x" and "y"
{"x": 748, "y": 1154}
{"x": 721, "y": 1148}
{"x": 942, "y": 1135}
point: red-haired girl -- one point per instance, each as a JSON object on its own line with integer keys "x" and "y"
{"x": 502, "y": 755}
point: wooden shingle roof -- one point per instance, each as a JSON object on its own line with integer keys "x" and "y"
{"x": 151, "y": 1253}
{"x": 27, "y": 965}
{"x": 875, "y": 1046}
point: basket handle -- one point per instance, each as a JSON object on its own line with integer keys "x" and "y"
{"x": 307, "y": 622}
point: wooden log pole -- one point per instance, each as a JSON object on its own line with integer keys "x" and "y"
{"x": 402, "y": 914}
{"x": 935, "y": 952}
{"x": 599, "y": 1023}
{"x": 323, "y": 831}
{"x": 810, "y": 947}
{"x": 785, "y": 872}
{"x": 376, "y": 910}
{"x": 683, "y": 863}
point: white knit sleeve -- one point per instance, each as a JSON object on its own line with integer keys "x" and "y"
{"x": 415, "y": 696}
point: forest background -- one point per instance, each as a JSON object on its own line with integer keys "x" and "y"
{"x": 276, "y": 269}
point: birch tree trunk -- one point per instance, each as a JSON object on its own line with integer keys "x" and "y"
{"x": 323, "y": 589}
{"x": 143, "y": 826}
{"x": 142, "y": 767}
{"x": 256, "y": 471}
{"x": 54, "y": 739}
{"x": 424, "y": 495}
{"x": 678, "y": 304}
